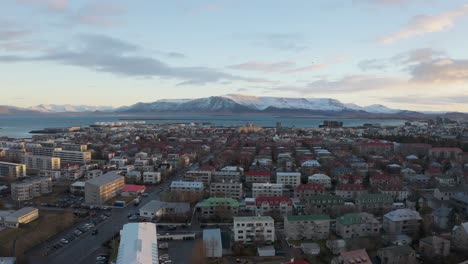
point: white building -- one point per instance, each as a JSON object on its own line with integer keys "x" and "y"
{"x": 69, "y": 156}
{"x": 321, "y": 179}
{"x": 150, "y": 177}
{"x": 212, "y": 243}
{"x": 12, "y": 170}
{"x": 138, "y": 244}
{"x": 249, "y": 229}
{"x": 185, "y": 186}
{"x": 226, "y": 189}
{"x": 93, "y": 174}
{"x": 15, "y": 218}
{"x": 28, "y": 189}
{"x": 36, "y": 162}
{"x": 267, "y": 189}
{"x": 292, "y": 179}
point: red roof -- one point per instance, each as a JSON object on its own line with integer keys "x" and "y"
{"x": 133, "y": 188}
{"x": 258, "y": 173}
{"x": 310, "y": 187}
{"x": 207, "y": 168}
{"x": 272, "y": 200}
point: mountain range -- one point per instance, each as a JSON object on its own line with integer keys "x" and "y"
{"x": 227, "y": 104}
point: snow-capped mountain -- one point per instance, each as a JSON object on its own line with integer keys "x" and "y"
{"x": 236, "y": 103}
{"x": 53, "y": 108}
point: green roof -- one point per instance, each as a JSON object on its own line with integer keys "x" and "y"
{"x": 349, "y": 219}
{"x": 316, "y": 217}
{"x": 374, "y": 198}
{"x": 325, "y": 199}
{"x": 219, "y": 201}
{"x": 252, "y": 218}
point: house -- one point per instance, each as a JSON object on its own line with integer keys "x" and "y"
{"x": 77, "y": 188}
{"x": 248, "y": 229}
{"x": 150, "y": 177}
{"x": 445, "y": 153}
{"x": 350, "y": 191}
{"x": 380, "y": 180}
{"x": 434, "y": 246}
{"x": 218, "y": 207}
{"x": 292, "y": 179}
{"x": 273, "y": 204}
{"x": 228, "y": 189}
{"x": 303, "y": 191}
{"x": 374, "y": 148}
{"x": 357, "y": 225}
{"x": 402, "y": 221}
{"x": 298, "y": 227}
{"x": 203, "y": 176}
{"x": 397, "y": 191}
{"x": 350, "y": 179}
{"x": 267, "y": 189}
{"x": 320, "y": 179}
{"x": 374, "y": 202}
{"x": 186, "y": 187}
{"x": 352, "y": 257}
{"x": 257, "y": 176}
{"x": 460, "y": 202}
{"x": 322, "y": 202}
{"x": 440, "y": 217}
{"x": 336, "y": 246}
{"x": 310, "y": 249}
{"x": 443, "y": 193}
{"x": 460, "y": 236}
{"x": 212, "y": 243}
{"x": 133, "y": 190}
{"x": 397, "y": 255}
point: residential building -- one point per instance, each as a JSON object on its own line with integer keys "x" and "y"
{"x": 460, "y": 236}
{"x": 257, "y": 177}
{"x": 440, "y": 217}
{"x": 320, "y": 179}
{"x": 186, "y": 186}
{"x": 273, "y": 205}
{"x": 357, "y": 225}
{"x": 249, "y": 229}
{"x": 35, "y": 162}
{"x": 434, "y": 246}
{"x": 292, "y": 179}
{"x": 203, "y": 176}
{"x": 226, "y": 189}
{"x": 226, "y": 176}
{"x": 12, "y": 170}
{"x": 397, "y": 255}
{"x": 77, "y": 188}
{"x": 212, "y": 243}
{"x": 16, "y": 218}
{"x": 304, "y": 191}
{"x": 374, "y": 202}
{"x": 350, "y": 191}
{"x": 150, "y": 177}
{"x": 73, "y": 146}
{"x": 31, "y": 188}
{"x": 93, "y": 174}
{"x": 398, "y": 192}
{"x": 101, "y": 189}
{"x": 401, "y": 221}
{"x": 138, "y": 244}
{"x": 69, "y": 156}
{"x": 133, "y": 190}
{"x": 445, "y": 153}
{"x": 267, "y": 189}
{"x": 444, "y": 193}
{"x": 299, "y": 227}
{"x": 320, "y": 203}
{"x": 215, "y": 207}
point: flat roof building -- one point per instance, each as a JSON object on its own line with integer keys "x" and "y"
{"x": 103, "y": 188}
{"x": 138, "y": 244}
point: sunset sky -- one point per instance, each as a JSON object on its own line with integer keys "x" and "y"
{"x": 406, "y": 54}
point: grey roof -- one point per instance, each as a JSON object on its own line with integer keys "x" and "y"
{"x": 23, "y": 211}
{"x": 156, "y": 205}
{"x": 403, "y": 215}
{"x": 105, "y": 179}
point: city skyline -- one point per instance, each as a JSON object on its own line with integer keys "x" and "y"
{"x": 405, "y": 54}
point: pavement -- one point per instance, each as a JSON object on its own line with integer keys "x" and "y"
{"x": 86, "y": 247}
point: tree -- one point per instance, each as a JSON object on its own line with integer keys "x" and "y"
{"x": 452, "y": 219}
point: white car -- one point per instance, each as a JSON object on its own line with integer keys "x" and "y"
{"x": 63, "y": 240}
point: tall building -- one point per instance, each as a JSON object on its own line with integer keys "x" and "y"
{"x": 249, "y": 229}
{"x": 69, "y": 156}
{"x": 12, "y": 170}
{"x": 30, "y": 188}
{"x": 103, "y": 188}
{"x": 36, "y": 162}
{"x": 138, "y": 244}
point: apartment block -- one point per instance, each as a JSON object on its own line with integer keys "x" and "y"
{"x": 276, "y": 205}
{"x": 249, "y": 229}
{"x": 267, "y": 189}
{"x": 226, "y": 189}
{"x": 357, "y": 225}
{"x": 186, "y": 186}
{"x": 402, "y": 221}
{"x": 30, "y": 188}
{"x": 292, "y": 179}
{"x": 69, "y": 156}
{"x": 299, "y": 227}
{"x": 101, "y": 189}
{"x": 12, "y": 170}
{"x": 36, "y": 162}
{"x": 199, "y": 176}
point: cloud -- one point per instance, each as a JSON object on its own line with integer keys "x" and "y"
{"x": 424, "y": 24}
{"x": 264, "y": 67}
{"x": 50, "y": 5}
{"x": 13, "y": 37}
{"x": 390, "y": 2}
{"x": 428, "y": 100}
{"x": 283, "y": 41}
{"x": 404, "y": 59}
{"x": 284, "y": 67}
{"x": 441, "y": 71}
{"x": 106, "y": 54}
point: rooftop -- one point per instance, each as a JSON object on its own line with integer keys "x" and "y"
{"x": 105, "y": 179}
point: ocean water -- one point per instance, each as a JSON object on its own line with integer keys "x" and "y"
{"x": 20, "y": 126}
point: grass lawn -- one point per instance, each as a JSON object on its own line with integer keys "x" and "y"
{"x": 38, "y": 231}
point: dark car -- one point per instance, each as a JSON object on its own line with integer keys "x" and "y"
{"x": 95, "y": 232}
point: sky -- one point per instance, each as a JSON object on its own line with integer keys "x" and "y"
{"x": 406, "y": 54}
